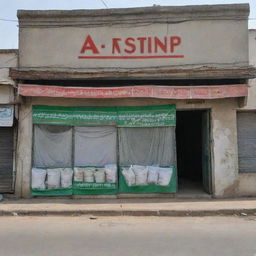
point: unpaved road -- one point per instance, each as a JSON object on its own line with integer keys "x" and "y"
{"x": 127, "y": 236}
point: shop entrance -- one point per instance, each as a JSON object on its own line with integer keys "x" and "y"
{"x": 193, "y": 152}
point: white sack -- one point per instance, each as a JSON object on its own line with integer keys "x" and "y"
{"x": 153, "y": 174}
{"x": 89, "y": 174}
{"x": 129, "y": 176}
{"x": 53, "y": 178}
{"x": 66, "y": 177}
{"x": 111, "y": 173}
{"x": 165, "y": 175}
{"x": 38, "y": 178}
{"x": 78, "y": 174}
{"x": 141, "y": 174}
{"x": 99, "y": 175}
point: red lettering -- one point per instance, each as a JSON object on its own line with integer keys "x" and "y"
{"x": 149, "y": 45}
{"x": 142, "y": 41}
{"x": 89, "y": 45}
{"x": 130, "y": 43}
{"x": 162, "y": 45}
{"x": 115, "y": 45}
{"x": 174, "y": 41}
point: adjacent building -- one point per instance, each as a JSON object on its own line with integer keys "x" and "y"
{"x": 8, "y": 124}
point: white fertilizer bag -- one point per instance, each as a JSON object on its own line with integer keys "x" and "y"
{"x": 165, "y": 175}
{"x": 66, "y": 176}
{"x": 89, "y": 174}
{"x": 78, "y": 174}
{"x": 111, "y": 173}
{"x": 153, "y": 174}
{"x": 129, "y": 176}
{"x": 38, "y": 178}
{"x": 141, "y": 174}
{"x": 53, "y": 178}
{"x": 99, "y": 175}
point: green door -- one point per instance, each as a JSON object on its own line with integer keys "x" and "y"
{"x": 206, "y": 152}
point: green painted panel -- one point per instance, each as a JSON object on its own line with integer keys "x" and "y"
{"x": 145, "y": 116}
{"x": 52, "y": 192}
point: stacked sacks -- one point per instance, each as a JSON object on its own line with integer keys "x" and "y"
{"x": 99, "y": 175}
{"x": 38, "y": 178}
{"x": 144, "y": 175}
{"x": 111, "y": 173}
{"x": 141, "y": 174}
{"x": 152, "y": 174}
{"x": 129, "y": 176}
{"x": 108, "y": 174}
{"x": 89, "y": 174}
{"x": 78, "y": 174}
{"x": 52, "y": 178}
{"x": 66, "y": 177}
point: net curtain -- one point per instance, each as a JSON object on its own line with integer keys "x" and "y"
{"x": 52, "y": 146}
{"x": 147, "y": 146}
{"x": 97, "y": 146}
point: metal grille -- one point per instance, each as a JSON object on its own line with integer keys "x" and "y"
{"x": 6, "y": 159}
{"x": 246, "y": 131}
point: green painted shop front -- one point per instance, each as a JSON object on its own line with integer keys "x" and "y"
{"x": 103, "y": 150}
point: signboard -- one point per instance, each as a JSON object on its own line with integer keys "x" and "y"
{"x": 6, "y": 116}
{"x": 142, "y": 47}
{"x": 146, "y": 116}
{"x": 161, "y": 92}
{"x": 149, "y": 116}
{"x": 134, "y": 38}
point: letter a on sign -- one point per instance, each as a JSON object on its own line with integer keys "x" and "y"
{"x": 89, "y": 45}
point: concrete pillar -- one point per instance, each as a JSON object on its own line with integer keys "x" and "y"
{"x": 24, "y": 150}
{"x": 225, "y": 153}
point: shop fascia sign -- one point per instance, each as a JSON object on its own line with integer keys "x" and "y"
{"x": 153, "y": 47}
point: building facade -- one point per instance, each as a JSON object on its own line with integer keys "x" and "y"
{"x": 8, "y": 124}
{"x": 135, "y": 101}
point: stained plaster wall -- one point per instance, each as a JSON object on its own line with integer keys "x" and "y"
{"x": 247, "y": 181}
{"x": 223, "y": 133}
{"x": 8, "y": 59}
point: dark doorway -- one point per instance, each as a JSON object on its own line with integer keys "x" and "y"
{"x": 193, "y": 151}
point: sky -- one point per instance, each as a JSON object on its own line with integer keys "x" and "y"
{"x": 8, "y": 10}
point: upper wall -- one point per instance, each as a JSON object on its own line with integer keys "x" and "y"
{"x": 251, "y": 99}
{"x": 8, "y": 59}
{"x": 207, "y": 35}
{"x": 252, "y": 47}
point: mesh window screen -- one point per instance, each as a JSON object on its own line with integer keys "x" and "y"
{"x": 95, "y": 146}
{"x": 147, "y": 146}
{"x": 52, "y": 146}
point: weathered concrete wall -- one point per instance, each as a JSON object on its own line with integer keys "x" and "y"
{"x": 210, "y": 36}
{"x": 8, "y": 59}
{"x": 6, "y": 94}
{"x": 247, "y": 181}
{"x": 224, "y": 144}
{"x": 251, "y": 100}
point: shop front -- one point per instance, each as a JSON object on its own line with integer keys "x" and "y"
{"x": 111, "y": 107}
{"x": 110, "y": 150}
